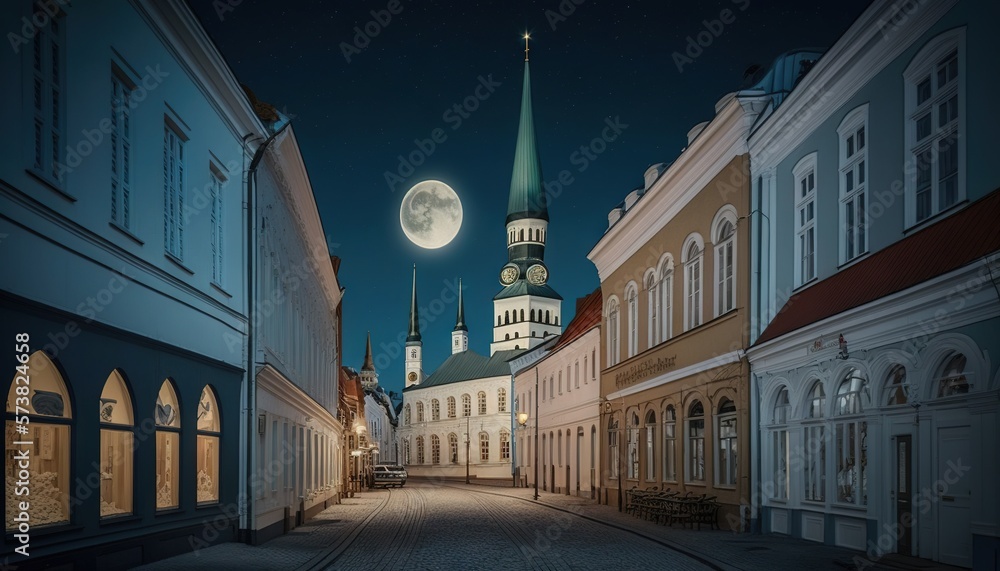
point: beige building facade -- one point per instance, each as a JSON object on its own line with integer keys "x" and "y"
{"x": 674, "y": 273}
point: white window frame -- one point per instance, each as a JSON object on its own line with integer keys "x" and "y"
{"x": 779, "y": 444}
{"x": 218, "y": 182}
{"x": 925, "y": 66}
{"x": 725, "y": 278}
{"x": 850, "y": 428}
{"x": 670, "y": 444}
{"x": 632, "y": 452}
{"x": 814, "y": 478}
{"x": 652, "y": 308}
{"x": 854, "y": 135}
{"x": 173, "y": 190}
{"x": 650, "y": 435}
{"x": 691, "y": 442}
{"x": 614, "y": 346}
{"x": 804, "y": 199}
{"x": 666, "y": 297}
{"x": 694, "y": 284}
{"x": 726, "y": 480}
{"x": 632, "y": 302}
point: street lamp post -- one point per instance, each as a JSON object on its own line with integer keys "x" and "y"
{"x": 468, "y": 441}
{"x": 522, "y": 420}
{"x": 536, "y": 432}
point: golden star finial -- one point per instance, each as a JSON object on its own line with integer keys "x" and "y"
{"x": 526, "y": 38}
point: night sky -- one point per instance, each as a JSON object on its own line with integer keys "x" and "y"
{"x": 591, "y": 60}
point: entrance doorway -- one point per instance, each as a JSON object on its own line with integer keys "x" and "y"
{"x": 904, "y": 494}
{"x": 953, "y": 491}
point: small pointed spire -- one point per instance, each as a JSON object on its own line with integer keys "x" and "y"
{"x": 369, "y": 364}
{"x": 414, "y": 334}
{"x": 460, "y": 318}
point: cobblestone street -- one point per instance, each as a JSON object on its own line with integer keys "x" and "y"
{"x": 434, "y": 526}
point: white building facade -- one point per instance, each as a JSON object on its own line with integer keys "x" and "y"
{"x": 563, "y": 407}
{"x": 124, "y": 239}
{"x": 877, "y": 394}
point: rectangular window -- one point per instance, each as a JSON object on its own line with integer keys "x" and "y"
{"x": 815, "y": 469}
{"x": 650, "y": 453}
{"x": 484, "y": 447}
{"x": 934, "y": 114}
{"x": 173, "y": 193}
{"x": 692, "y": 310}
{"x": 727, "y": 458}
{"x": 805, "y": 220}
{"x": 633, "y": 453}
{"x": 217, "y": 183}
{"x": 120, "y": 141}
{"x": 853, "y": 184}
{"x": 779, "y": 465}
{"x": 576, "y": 373}
{"x": 613, "y": 458}
{"x": 696, "y": 450}
{"x": 504, "y": 446}
{"x": 669, "y": 450}
{"x": 48, "y": 85}
{"x": 852, "y": 477}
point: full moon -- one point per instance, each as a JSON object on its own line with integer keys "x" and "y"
{"x": 431, "y": 214}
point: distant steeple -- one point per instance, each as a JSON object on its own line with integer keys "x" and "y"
{"x": 414, "y": 334}
{"x": 369, "y": 364}
{"x": 460, "y": 334}
{"x": 460, "y": 318}
{"x": 527, "y": 190}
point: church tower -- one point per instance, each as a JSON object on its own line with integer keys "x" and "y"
{"x": 460, "y": 335}
{"x": 527, "y": 309}
{"x": 414, "y": 346}
{"x": 369, "y": 378}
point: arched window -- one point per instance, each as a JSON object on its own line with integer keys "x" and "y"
{"x": 168, "y": 447}
{"x": 896, "y": 386}
{"x": 505, "y": 446}
{"x": 559, "y": 449}
{"x": 420, "y": 450}
{"x": 420, "y": 411}
{"x": 435, "y": 409}
{"x": 725, "y": 267}
{"x": 481, "y": 399}
{"x": 815, "y": 446}
{"x": 406, "y": 414}
{"x": 506, "y": 337}
{"x": 117, "y": 436}
{"x": 501, "y": 400}
{"x": 521, "y": 235}
{"x": 548, "y": 319}
{"x": 406, "y": 450}
{"x": 38, "y": 395}
{"x": 853, "y": 184}
{"x": 692, "y": 286}
{"x": 669, "y": 444}
{"x": 484, "y": 447}
{"x": 952, "y": 378}
{"x": 435, "y": 449}
{"x": 506, "y": 317}
{"x": 726, "y": 467}
{"x": 652, "y": 309}
{"x": 632, "y": 302}
{"x": 466, "y": 405}
{"x": 633, "y": 447}
{"x": 453, "y": 448}
{"x": 209, "y": 430}
{"x": 451, "y": 407}
{"x": 650, "y": 446}
{"x": 614, "y": 348}
{"x": 499, "y": 321}
{"x": 696, "y": 443}
{"x": 532, "y": 314}
{"x": 522, "y": 315}
{"x": 851, "y": 441}
{"x": 779, "y": 445}
{"x": 613, "y": 434}
{"x": 666, "y": 299}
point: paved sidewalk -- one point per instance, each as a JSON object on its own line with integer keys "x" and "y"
{"x": 723, "y": 549}
{"x": 297, "y": 549}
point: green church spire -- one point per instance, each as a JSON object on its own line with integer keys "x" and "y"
{"x": 414, "y": 334}
{"x": 527, "y": 190}
{"x": 460, "y": 318}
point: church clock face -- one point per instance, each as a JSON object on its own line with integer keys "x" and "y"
{"x": 537, "y": 274}
{"x": 509, "y": 274}
{"x": 412, "y": 376}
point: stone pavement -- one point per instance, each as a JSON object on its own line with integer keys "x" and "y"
{"x": 451, "y": 525}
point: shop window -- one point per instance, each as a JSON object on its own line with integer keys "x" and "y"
{"x": 851, "y": 441}
{"x": 696, "y": 443}
{"x": 209, "y": 430}
{"x": 779, "y": 445}
{"x": 650, "y": 446}
{"x": 727, "y": 442}
{"x": 168, "y": 442}
{"x": 39, "y": 395}
{"x": 117, "y": 433}
{"x": 633, "y": 447}
{"x": 669, "y": 444}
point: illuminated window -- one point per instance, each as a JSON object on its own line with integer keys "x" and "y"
{"x": 168, "y": 442}
{"x": 208, "y": 447}
{"x": 725, "y": 470}
{"x": 38, "y": 393}
{"x": 116, "y": 447}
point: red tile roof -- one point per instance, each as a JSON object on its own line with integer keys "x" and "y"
{"x": 946, "y": 245}
{"x": 588, "y": 314}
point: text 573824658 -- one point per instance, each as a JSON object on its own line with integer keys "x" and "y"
{"x": 20, "y": 464}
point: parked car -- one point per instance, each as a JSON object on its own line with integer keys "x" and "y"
{"x": 389, "y": 475}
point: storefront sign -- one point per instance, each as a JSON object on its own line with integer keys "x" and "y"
{"x": 639, "y": 371}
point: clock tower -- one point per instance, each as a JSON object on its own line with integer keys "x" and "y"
{"x": 414, "y": 346}
{"x": 527, "y": 309}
